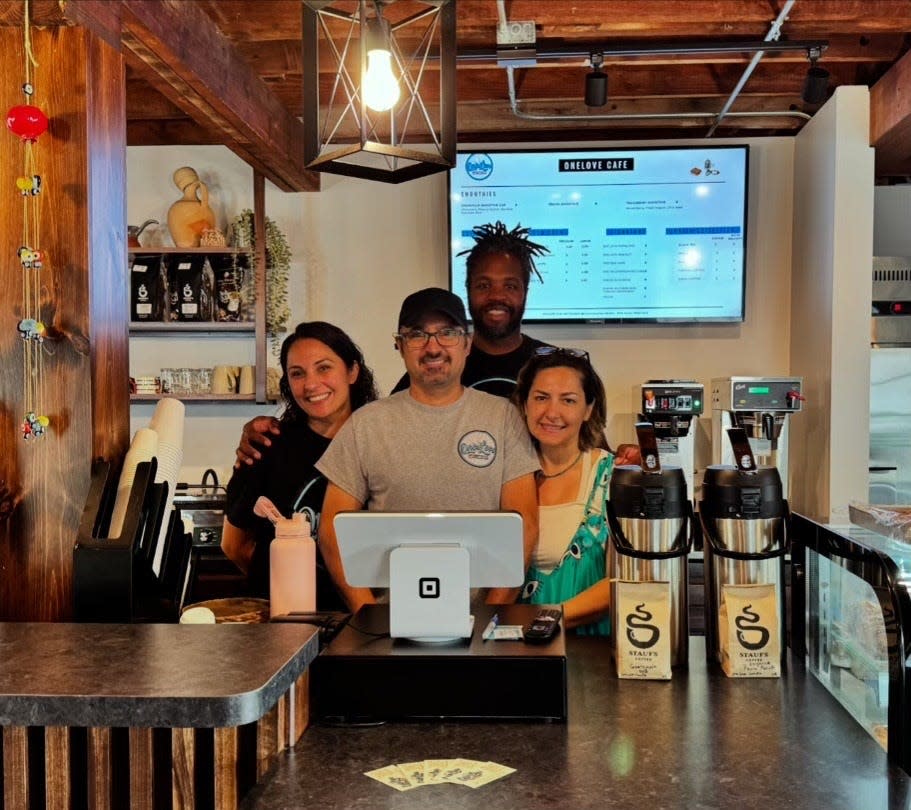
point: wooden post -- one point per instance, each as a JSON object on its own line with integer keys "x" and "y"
{"x": 183, "y": 765}
{"x": 15, "y": 766}
{"x": 99, "y": 768}
{"x": 80, "y": 85}
{"x": 142, "y": 769}
{"x": 57, "y": 766}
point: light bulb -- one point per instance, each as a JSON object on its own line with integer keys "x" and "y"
{"x": 381, "y": 90}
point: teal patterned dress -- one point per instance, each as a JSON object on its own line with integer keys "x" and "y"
{"x": 583, "y": 562}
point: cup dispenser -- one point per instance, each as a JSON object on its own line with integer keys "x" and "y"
{"x": 762, "y": 407}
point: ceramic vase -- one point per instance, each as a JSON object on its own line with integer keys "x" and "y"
{"x": 190, "y": 215}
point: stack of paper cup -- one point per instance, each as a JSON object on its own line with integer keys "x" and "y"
{"x": 167, "y": 422}
{"x": 144, "y": 447}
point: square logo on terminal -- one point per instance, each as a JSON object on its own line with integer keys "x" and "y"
{"x": 429, "y": 587}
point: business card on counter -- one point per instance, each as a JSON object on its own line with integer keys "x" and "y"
{"x": 502, "y": 632}
{"x": 407, "y": 775}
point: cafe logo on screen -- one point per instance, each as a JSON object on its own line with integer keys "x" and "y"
{"x": 479, "y": 166}
{"x": 597, "y": 164}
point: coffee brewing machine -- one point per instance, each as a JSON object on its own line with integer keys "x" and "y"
{"x": 672, "y": 406}
{"x": 762, "y": 406}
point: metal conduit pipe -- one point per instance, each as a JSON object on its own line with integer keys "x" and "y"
{"x": 771, "y": 36}
{"x": 514, "y": 107}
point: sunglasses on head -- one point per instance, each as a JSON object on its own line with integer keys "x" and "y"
{"x": 544, "y": 351}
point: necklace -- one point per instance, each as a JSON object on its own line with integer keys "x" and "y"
{"x": 542, "y": 474}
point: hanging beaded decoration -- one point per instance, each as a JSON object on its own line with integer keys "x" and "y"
{"x": 29, "y": 123}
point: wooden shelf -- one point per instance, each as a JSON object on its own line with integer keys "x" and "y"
{"x": 170, "y": 327}
{"x": 202, "y": 250}
{"x": 255, "y": 329}
{"x": 194, "y": 397}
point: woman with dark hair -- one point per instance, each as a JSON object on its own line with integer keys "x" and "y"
{"x": 562, "y": 399}
{"x": 324, "y": 379}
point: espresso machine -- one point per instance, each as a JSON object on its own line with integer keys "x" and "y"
{"x": 762, "y": 407}
{"x": 673, "y": 408}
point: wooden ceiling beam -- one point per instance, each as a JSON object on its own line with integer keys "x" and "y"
{"x": 890, "y": 120}
{"x": 199, "y": 70}
{"x": 278, "y": 59}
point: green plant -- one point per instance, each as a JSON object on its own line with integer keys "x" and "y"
{"x": 278, "y": 271}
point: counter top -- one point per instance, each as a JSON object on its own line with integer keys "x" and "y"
{"x": 700, "y": 740}
{"x": 148, "y": 675}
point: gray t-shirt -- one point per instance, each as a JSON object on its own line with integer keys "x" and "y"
{"x": 397, "y": 454}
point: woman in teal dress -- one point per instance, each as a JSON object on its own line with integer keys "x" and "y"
{"x": 563, "y": 402}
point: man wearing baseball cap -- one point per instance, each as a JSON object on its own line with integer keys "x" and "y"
{"x": 436, "y": 446}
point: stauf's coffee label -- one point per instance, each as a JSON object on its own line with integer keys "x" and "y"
{"x": 643, "y": 631}
{"x": 748, "y": 631}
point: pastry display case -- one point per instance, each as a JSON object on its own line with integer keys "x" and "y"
{"x": 852, "y": 620}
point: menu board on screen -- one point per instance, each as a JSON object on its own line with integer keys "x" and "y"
{"x": 635, "y": 235}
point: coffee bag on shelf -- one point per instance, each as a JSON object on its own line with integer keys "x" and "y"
{"x": 192, "y": 285}
{"x": 229, "y": 283}
{"x": 148, "y": 288}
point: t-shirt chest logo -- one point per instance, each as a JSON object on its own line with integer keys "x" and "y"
{"x": 478, "y": 448}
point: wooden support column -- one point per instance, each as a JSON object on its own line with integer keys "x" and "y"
{"x": 80, "y": 85}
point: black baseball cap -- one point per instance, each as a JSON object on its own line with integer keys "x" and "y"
{"x": 432, "y": 299}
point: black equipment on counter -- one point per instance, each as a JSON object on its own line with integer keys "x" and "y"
{"x": 113, "y": 577}
{"x": 744, "y": 520}
{"x": 650, "y": 519}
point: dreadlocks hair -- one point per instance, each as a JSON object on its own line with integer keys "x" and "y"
{"x": 494, "y": 238}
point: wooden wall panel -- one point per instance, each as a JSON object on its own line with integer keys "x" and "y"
{"x": 80, "y": 86}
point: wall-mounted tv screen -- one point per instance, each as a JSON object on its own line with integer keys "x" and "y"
{"x": 637, "y": 235}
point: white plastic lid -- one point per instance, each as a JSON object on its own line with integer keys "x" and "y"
{"x": 298, "y": 525}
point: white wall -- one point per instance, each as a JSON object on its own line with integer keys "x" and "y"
{"x": 361, "y": 246}
{"x": 831, "y": 294}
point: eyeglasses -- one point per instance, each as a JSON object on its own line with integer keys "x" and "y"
{"x": 418, "y": 339}
{"x": 544, "y": 351}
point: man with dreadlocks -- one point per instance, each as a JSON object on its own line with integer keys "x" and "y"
{"x": 498, "y": 272}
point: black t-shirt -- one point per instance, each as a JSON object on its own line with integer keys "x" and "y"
{"x": 286, "y": 476}
{"x": 492, "y": 373}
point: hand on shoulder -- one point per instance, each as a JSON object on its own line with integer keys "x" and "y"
{"x": 627, "y": 454}
{"x": 254, "y": 437}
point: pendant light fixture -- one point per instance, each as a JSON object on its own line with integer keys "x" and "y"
{"x": 389, "y": 111}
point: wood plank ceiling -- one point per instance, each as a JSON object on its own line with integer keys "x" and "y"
{"x": 229, "y": 71}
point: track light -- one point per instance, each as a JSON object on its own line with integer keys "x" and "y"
{"x": 816, "y": 84}
{"x": 596, "y": 83}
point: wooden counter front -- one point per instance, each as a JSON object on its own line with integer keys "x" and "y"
{"x": 146, "y": 715}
